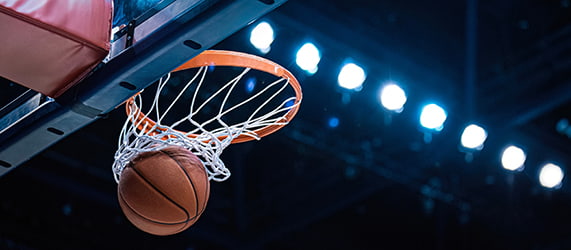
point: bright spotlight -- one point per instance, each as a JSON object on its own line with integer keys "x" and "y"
{"x": 351, "y": 76}
{"x": 473, "y": 137}
{"x": 550, "y": 176}
{"x": 308, "y": 57}
{"x": 393, "y": 97}
{"x": 513, "y": 158}
{"x": 433, "y": 117}
{"x": 262, "y": 37}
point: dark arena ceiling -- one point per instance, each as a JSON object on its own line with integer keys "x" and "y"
{"x": 369, "y": 180}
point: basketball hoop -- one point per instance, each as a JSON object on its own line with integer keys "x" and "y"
{"x": 207, "y": 132}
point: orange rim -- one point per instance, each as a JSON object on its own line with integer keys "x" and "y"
{"x": 227, "y": 58}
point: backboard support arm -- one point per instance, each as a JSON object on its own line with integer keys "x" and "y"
{"x": 128, "y": 71}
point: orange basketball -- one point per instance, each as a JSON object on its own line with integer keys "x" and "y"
{"x": 164, "y": 192}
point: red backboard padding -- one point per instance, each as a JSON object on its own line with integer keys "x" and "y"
{"x": 49, "y": 45}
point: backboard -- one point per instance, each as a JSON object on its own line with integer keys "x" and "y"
{"x": 151, "y": 38}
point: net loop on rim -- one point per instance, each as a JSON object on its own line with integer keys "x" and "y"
{"x": 207, "y": 138}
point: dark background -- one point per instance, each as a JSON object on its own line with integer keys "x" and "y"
{"x": 365, "y": 184}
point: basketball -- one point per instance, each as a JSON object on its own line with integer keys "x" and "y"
{"x": 164, "y": 192}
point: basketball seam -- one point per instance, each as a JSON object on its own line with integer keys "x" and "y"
{"x": 147, "y": 219}
{"x": 185, "y": 222}
{"x": 198, "y": 210}
{"x": 163, "y": 194}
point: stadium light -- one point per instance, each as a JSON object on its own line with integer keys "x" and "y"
{"x": 351, "y": 77}
{"x": 473, "y": 137}
{"x": 551, "y": 176}
{"x": 262, "y": 36}
{"x": 433, "y": 117}
{"x": 393, "y": 97}
{"x": 513, "y": 158}
{"x": 308, "y": 57}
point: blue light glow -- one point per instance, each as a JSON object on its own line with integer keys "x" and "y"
{"x": 250, "y": 85}
{"x": 289, "y": 103}
{"x": 333, "y": 122}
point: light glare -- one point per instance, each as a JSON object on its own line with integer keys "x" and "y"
{"x": 433, "y": 117}
{"x": 473, "y": 137}
{"x": 393, "y": 97}
{"x": 333, "y": 122}
{"x": 551, "y": 175}
{"x": 262, "y": 37}
{"x": 513, "y": 158}
{"x": 351, "y": 76}
{"x": 308, "y": 57}
{"x": 250, "y": 85}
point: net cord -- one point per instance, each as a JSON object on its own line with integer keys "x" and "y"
{"x": 207, "y": 145}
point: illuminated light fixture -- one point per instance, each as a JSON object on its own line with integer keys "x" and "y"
{"x": 351, "y": 77}
{"x": 473, "y": 137}
{"x": 513, "y": 158}
{"x": 262, "y": 37}
{"x": 393, "y": 97}
{"x": 551, "y": 176}
{"x": 308, "y": 57}
{"x": 433, "y": 117}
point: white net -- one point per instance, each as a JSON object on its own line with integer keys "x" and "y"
{"x": 203, "y": 120}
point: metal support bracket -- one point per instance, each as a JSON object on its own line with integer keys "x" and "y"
{"x": 159, "y": 45}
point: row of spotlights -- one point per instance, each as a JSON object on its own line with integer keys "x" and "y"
{"x": 550, "y": 174}
{"x": 393, "y": 98}
{"x": 351, "y": 76}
